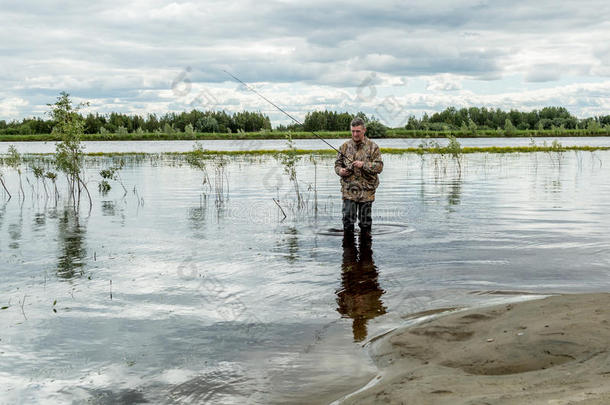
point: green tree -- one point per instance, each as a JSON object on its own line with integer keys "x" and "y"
{"x": 375, "y": 129}
{"x": 315, "y": 121}
{"x": 472, "y": 127}
{"x": 593, "y": 126}
{"x": 425, "y": 122}
{"x": 207, "y": 124}
{"x": 93, "y": 124}
{"x": 343, "y": 122}
{"x": 189, "y": 130}
{"x": 69, "y": 155}
{"x": 412, "y": 123}
{"x": 509, "y": 128}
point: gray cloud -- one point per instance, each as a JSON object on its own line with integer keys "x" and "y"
{"x": 133, "y": 51}
{"x": 543, "y": 73}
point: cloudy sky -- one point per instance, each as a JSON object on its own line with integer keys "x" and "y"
{"x": 391, "y": 59}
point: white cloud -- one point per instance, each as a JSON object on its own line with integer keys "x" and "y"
{"x": 174, "y": 11}
{"x": 444, "y": 82}
{"x": 133, "y": 51}
{"x": 10, "y": 107}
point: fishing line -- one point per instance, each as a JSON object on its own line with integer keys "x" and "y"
{"x": 289, "y": 116}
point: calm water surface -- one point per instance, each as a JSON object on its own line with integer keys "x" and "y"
{"x": 278, "y": 144}
{"x": 183, "y": 292}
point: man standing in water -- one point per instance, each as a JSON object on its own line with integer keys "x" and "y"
{"x": 358, "y": 163}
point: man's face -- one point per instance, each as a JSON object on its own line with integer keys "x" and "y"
{"x": 358, "y": 133}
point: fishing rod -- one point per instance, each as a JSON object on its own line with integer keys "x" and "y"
{"x": 289, "y": 116}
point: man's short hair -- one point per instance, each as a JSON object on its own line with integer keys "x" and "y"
{"x": 358, "y": 122}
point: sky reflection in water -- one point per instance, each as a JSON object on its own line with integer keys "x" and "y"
{"x": 170, "y": 295}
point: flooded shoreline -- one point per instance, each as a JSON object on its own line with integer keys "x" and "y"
{"x": 533, "y": 351}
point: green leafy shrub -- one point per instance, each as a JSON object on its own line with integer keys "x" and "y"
{"x": 375, "y": 129}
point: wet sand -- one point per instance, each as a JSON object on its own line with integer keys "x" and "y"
{"x": 554, "y": 350}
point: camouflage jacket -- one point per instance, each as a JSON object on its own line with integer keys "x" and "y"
{"x": 361, "y": 184}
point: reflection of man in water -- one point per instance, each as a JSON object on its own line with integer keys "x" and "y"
{"x": 360, "y": 295}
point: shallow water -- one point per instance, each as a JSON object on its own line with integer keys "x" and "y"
{"x": 279, "y": 144}
{"x": 174, "y": 294}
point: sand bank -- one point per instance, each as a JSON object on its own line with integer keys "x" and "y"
{"x": 548, "y": 351}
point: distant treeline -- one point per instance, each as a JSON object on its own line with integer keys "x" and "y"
{"x": 194, "y": 121}
{"x": 467, "y": 121}
{"x": 474, "y": 118}
{"x": 325, "y": 121}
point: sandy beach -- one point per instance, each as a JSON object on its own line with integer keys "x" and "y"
{"x": 545, "y": 351}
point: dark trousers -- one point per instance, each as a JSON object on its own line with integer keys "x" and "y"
{"x": 361, "y": 210}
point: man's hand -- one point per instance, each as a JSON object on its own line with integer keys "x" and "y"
{"x": 358, "y": 164}
{"x": 344, "y": 172}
